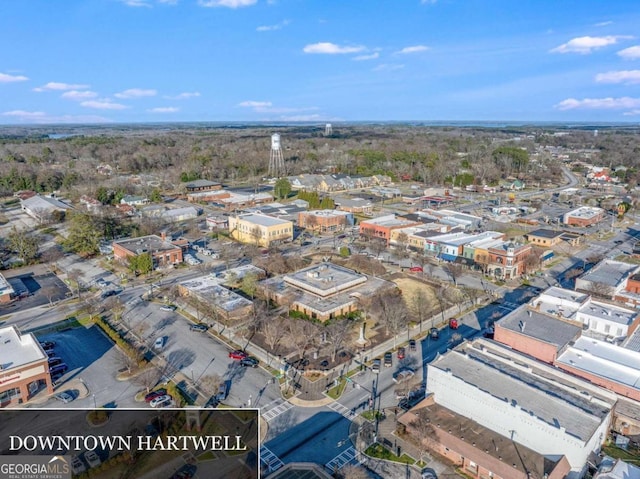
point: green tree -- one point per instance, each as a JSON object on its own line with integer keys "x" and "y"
{"x": 155, "y": 196}
{"x": 83, "y": 237}
{"x": 249, "y": 284}
{"x": 141, "y": 264}
{"x": 282, "y": 188}
{"x": 23, "y": 245}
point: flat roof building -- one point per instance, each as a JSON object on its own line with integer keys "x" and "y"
{"x": 259, "y": 229}
{"x": 24, "y": 367}
{"x": 6, "y": 290}
{"x": 163, "y": 252}
{"x": 534, "y": 404}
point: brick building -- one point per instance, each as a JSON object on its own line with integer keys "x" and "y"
{"x": 583, "y": 216}
{"x": 507, "y": 261}
{"x": 24, "y": 367}
{"x": 381, "y": 227}
{"x": 325, "y": 221}
{"x": 163, "y": 252}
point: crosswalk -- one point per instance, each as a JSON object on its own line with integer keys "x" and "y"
{"x": 348, "y": 456}
{"x": 340, "y": 409}
{"x": 276, "y": 411}
{"x": 269, "y": 460}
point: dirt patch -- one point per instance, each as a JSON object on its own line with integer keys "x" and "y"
{"x": 409, "y": 286}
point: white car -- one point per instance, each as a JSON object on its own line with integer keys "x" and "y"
{"x": 65, "y": 397}
{"x": 403, "y": 375}
{"x": 92, "y": 458}
{"x": 160, "y": 342}
{"x": 157, "y": 402}
{"x": 168, "y": 308}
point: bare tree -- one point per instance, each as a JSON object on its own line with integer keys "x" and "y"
{"x": 337, "y": 332}
{"x": 424, "y": 432}
{"x": 301, "y": 334}
{"x": 272, "y": 330}
{"x": 148, "y": 378}
{"x": 116, "y": 306}
{"x": 419, "y": 305}
{"x": 210, "y": 383}
{"x": 454, "y": 270}
{"x": 392, "y": 311}
{"x": 377, "y": 246}
{"x": 352, "y": 471}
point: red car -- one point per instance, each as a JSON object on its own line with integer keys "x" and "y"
{"x": 401, "y": 353}
{"x": 416, "y": 269}
{"x": 238, "y": 354}
{"x": 155, "y": 394}
{"x": 453, "y": 323}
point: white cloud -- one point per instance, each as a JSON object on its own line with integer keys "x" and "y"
{"x": 164, "y": 109}
{"x": 599, "y": 103}
{"x": 360, "y": 58}
{"x": 6, "y": 78}
{"x": 388, "y": 67}
{"x": 429, "y": 2}
{"x": 330, "y": 48}
{"x": 79, "y": 95}
{"x": 135, "y": 93}
{"x": 255, "y": 104}
{"x": 631, "y": 113}
{"x": 604, "y": 24}
{"x": 57, "y": 86}
{"x": 25, "y": 115}
{"x": 627, "y": 77}
{"x": 42, "y": 118}
{"x": 585, "y": 45}
{"x": 270, "y": 28}
{"x": 103, "y": 104}
{"x": 136, "y": 3}
{"x": 631, "y": 53}
{"x": 183, "y": 96}
{"x": 227, "y": 3}
{"x": 413, "y": 49}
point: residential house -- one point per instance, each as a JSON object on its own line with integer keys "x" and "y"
{"x": 134, "y": 200}
{"x": 42, "y": 208}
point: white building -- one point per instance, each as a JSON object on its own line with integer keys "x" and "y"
{"x": 534, "y": 404}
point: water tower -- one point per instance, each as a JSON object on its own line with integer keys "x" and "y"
{"x": 328, "y": 131}
{"x": 276, "y": 160}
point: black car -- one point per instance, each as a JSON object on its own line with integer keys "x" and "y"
{"x": 412, "y": 345}
{"x": 434, "y": 333}
{"x": 388, "y": 360}
{"x": 212, "y": 402}
{"x": 47, "y": 345}
{"x": 60, "y": 368}
{"x": 54, "y": 361}
{"x": 249, "y": 362}
{"x": 200, "y": 327}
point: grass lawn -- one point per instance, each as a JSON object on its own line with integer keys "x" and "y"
{"x": 380, "y": 452}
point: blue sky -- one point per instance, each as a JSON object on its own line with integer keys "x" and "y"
{"x": 319, "y": 60}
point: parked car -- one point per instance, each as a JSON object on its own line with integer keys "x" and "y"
{"x": 375, "y": 367}
{"x": 453, "y": 323}
{"x": 101, "y": 283}
{"x": 412, "y": 345}
{"x": 401, "y": 353}
{"x": 238, "y": 354}
{"x": 77, "y": 466}
{"x": 434, "y": 333}
{"x": 403, "y": 375}
{"x": 50, "y": 353}
{"x": 223, "y": 391}
{"x": 155, "y": 394}
{"x": 488, "y": 333}
{"x": 200, "y": 327}
{"x": 416, "y": 269}
{"x": 160, "y": 343}
{"x": 155, "y": 402}
{"x": 54, "y": 361}
{"x": 212, "y": 402}
{"x": 428, "y": 474}
{"x": 60, "y": 368}
{"x": 47, "y": 345}
{"x": 65, "y": 397}
{"x": 166, "y": 403}
{"x": 168, "y": 308}
{"x": 92, "y": 458}
{"x": 388, "y": 360}
{"x": 185, "y": 472}
{"x": 249, "y": 362}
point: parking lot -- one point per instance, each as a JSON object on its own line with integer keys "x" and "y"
{"x": 39, "y": 288}
{"x": 95, "y": 361}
